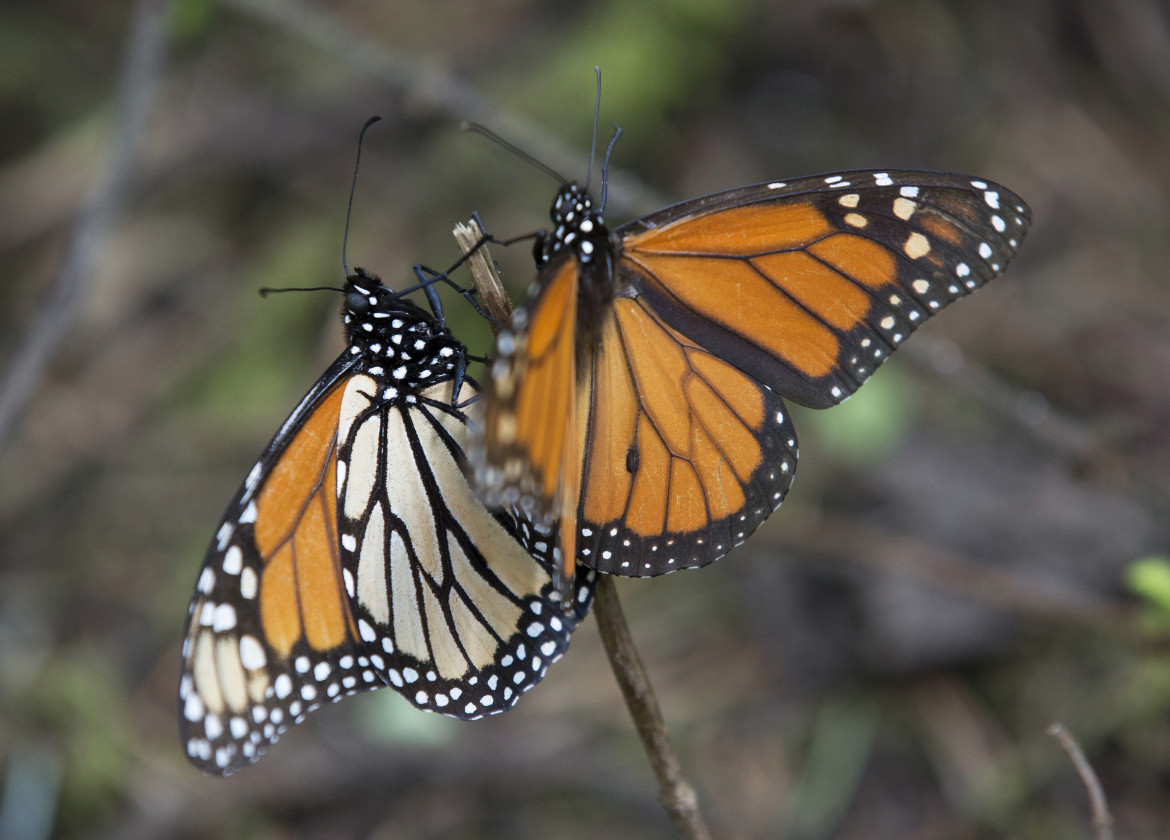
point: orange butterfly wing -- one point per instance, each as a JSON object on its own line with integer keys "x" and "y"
{"x": 685, "y": 454}
{"x": 809, "y": 286}
{"x": 708, "y": 313}
{"x": 270, "y": 593}
{"x": 531, "y": 415}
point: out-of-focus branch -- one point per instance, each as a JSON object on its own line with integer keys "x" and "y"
{"x": 427, "y": 85}
{"x": 140, "y": 72}
{"x": 889, "y": 552}
{"x": 430, "y": 87}
{"x": 1029, "y": 409}
{"x": 1098, "y": 805}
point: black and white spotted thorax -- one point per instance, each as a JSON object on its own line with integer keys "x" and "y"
{"x": 396, "y": 341}
{"x": 577, "y": 224}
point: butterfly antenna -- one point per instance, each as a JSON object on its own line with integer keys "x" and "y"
{"x": 617, "y": 132}
{"x": 352, "y": 190}
{"x": 268, "y": 290}
{"x": 593, "y": 139}
{"x": 476, "y": 128}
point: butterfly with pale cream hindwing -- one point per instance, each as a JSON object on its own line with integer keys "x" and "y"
{"x": 356, "y": 554}
{"x": 638, "y": 395}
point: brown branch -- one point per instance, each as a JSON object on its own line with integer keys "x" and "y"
{"x": 430, "y": 88}
{"x": 1098, "y": 806}
{"x": 492, "y": 296}
{"x": 140, "y": 71}
{"x": 889, "y": 552}
{"x": 675, "y": 794}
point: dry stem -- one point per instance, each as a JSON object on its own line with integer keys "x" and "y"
{"x": 140, "y": 71}
{"x": 1098, "y": 806}
{"x": 674, "y": 792}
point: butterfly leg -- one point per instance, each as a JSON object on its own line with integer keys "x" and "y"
{"x": 460, "y": 374}
{"x": 538, "y": 237}
{"x": 427, "y": 284}
{"x": 428, "y": 277}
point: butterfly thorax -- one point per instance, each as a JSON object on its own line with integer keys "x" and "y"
{"x": 579, "y": 232}
{"x": 577, "y": 226}
{"x": 395, "y": 340}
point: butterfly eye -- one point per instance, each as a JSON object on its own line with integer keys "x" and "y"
{"x": 357, "y": 303}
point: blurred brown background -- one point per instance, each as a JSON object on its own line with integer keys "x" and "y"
{"x": 880, "y": 661}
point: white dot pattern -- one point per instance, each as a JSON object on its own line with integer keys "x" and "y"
{"x": 909, "y": 242}
{"x": 946, "y": 235}
{"x": 617, "y": 550}
{"x": 238, "y": 693}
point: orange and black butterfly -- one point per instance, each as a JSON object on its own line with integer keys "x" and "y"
{"x": 638, "y": 397}
{"x": 356, "y": 554}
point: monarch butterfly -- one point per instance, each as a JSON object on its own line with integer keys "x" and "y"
{"x": 653, "y": 426}
{"x": 356, "y": 555}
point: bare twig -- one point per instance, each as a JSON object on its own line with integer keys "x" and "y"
{"x": 882, "y": 549}
{"x": 140, "y": 71}
{"x": 674, "y": 792}
{"x": 944, "y": 360}
{"x": 429, "y": 86}
{"x": 1098, "y": 806}
{"x": 492, "y": 296}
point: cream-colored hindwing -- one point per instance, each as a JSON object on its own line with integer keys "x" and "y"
{"x": 462, "y": 617}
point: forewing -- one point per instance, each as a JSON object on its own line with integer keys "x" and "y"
{"x": 269, "y": 625}
{"x": 531, "y": 450}
{"x": 808, "y": 286}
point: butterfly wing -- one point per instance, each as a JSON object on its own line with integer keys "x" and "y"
{"x": 729, "y": 302}
{"x": 269, "y": 617}
{"x": 808, "y": 286}
{"x": 453, "y": 609}
{"x": 534, "y": 442}
{"x": 356, "y": 556}
{"x": 685, "y": 453}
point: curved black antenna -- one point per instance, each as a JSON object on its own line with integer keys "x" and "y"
{"x": 476, "y": 128}
{"x": 352, "y": 190}
{"x": 617, "y": 132}
{"x": 593, "y": 139}
{"x": 265, "y": 291}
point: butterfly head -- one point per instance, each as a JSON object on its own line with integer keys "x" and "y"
{"x": 577, "y": 224}
{"x": 396, "y": 338}
{"x": 371, "y": 309}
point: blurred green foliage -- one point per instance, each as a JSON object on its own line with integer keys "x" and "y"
{"x": 881, "y": 660}
{"x": 1149, "y": 578}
